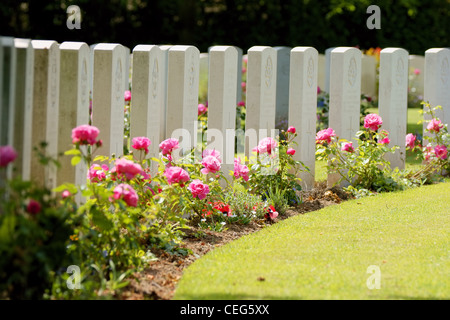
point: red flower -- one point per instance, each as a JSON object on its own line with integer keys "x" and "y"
{"x": 223, "y": 208}
{"x": 271, "y": 213}
{"x": 33, "y": 207}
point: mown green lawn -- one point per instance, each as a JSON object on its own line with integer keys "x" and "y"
{"x": 326, "y": 254}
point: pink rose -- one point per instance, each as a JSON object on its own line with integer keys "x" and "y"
{"x": 141, "y": 143}
{"x": 202, "y": 109}
{"x": 435, "y": 125}
{"x": 65, "y": 194}
{"x": 176, "y": 175}
{"x": 33, "y": 207}
{"x": 348, "y": 147}
{"x": 127, "y": 95}
{"x": 385, "y": 141}
{"x": 127, "y": 167}
{"x": 240, "y": 170}
{"x": 372, "y": 122}
{"x": 126, "y": 193}
{"x": 7, "y": 155}
{"x": 441, "y": 152}
{"x": 416, "y": 72}
{"x": 198, "y": 189}
{"x": 325, "y": 135}
{"x": 318, "y": 90}
{"x": 97, "y": 173}
{"x": 428, "y": 152}
{"x": 211, "y": 164}
{"x": 241, "y": 104}
{"x": 85, "y": 134}
{"x": 290, "y": 151}
{"x": 211, "y": 152}
{"x": 410, "y": 140}
{"x": 168, "y": 145}
{"x": 267, "y": 145}
{"x": 291, "y": 130}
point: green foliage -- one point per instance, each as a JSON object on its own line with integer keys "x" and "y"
{"x": 33, "y": 239}
{"x": 414, "y": 25}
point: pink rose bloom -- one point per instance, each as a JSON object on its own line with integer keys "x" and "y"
{"x": 435, "y": 125}
{"x": 127, "y": 95}
{"x": 211, "y": 164}
{"x": 176, "y": 175}
{"x": 97, "y": 173}
{"x": 290, "y": 151}
{"x": 85, "y": 134}
{"x": 126, "y": 193}
{"x": 416, "y": 72}
{"x": 410, "y": 140}
{"x": 267, "y": 145}
{"x": 7, "y": 155}
{"x": 212, "y": 152}
{"x": 348, "y": 147}
{"x": 291, "y": 129}
{"x": 244, "y": 70}
{"x": 33, "y": 207}
{"x": 385, "y": 141}
{"x": 318, "y": 89}
{"x": 241, "y": 104}
{"x": 243, "y": 85}
{"x": 198, "y": 189}
{"x": 127, "y": 167}
{"x": 65, "y": 194}
{"x": 325, "y": 135}
{"x": 141, "y": 143}
{"x": 168, "y": 145}
{"x": 202, "y": 109}
{"x": 372, "y": 122}
{"x": 441, "y": 152}
{"x": 240, "y": 170}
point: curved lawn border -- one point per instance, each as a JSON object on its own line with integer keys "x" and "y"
{"x": 331, "y": 253}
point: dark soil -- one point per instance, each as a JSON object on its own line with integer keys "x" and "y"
{"x": 159, "y": 280}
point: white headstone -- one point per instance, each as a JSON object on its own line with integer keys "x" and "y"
{"x": 261, "y": 95}
{"x": 108, "y": 96}
{"x": 303, "y": 108}
{"x": 345, "y": 95}
{"x": 239, "y": 76}
{"x": 223, "y": 70}
{"x": 321, "y": 70}
{"x": 45, "y": 108}
{"x": 147, "y": 96}
{"x": 203, "y": 80}
{"x": 393, "y": 100}
{"x": 282, "y": 91}
{"x": 165, "y": 65}
{"x": 437, "y": 82}
{"x": 369, "y": 75}
{"x": 8, "y": 76}
{"x": 417, "y": 74}
{"x": 23, "y": 106}
{"x": 326, "y": 86}
{"x": 74, "y": 105}
{"x": 182, "y": 98}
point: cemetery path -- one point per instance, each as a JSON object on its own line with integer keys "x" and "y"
{"x": 159, "y": 280}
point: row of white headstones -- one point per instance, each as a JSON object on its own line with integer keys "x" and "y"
{"x": 46, "y": 91}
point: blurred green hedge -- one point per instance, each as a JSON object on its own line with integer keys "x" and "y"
{"x": 412, "y": 24}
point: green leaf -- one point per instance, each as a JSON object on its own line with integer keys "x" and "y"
{"x": 72, "y": 152}
{"x": 75, "y": 160}
{"x": 66, "y": 186}
{"x": 100, "y": 220}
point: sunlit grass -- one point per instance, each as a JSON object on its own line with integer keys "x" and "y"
{"x": 326, "y": 254}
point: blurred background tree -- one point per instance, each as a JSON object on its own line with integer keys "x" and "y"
{"x": 412, "y": 24}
